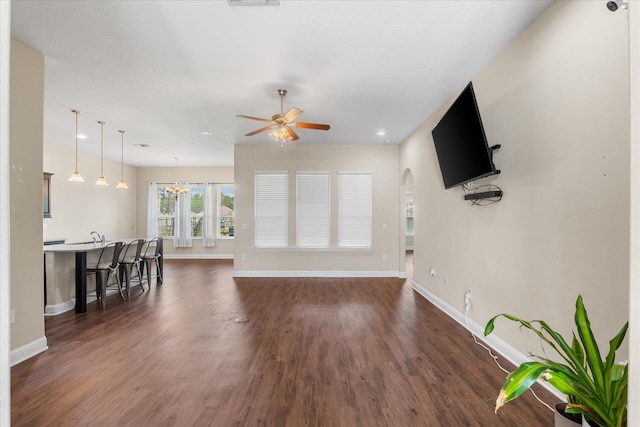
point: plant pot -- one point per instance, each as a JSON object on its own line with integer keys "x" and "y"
{"x": 562, "y": 419}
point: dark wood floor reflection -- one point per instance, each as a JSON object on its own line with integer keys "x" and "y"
{"x": 204, "y": 349}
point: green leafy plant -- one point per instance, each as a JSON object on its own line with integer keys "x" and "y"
{"x": 594, "y": 387}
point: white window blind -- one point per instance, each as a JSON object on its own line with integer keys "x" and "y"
{"x": 271, "y": 209}
{"x": 312, "y": 210}
{"x": 354, "y": 210}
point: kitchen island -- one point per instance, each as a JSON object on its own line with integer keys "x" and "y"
{"x": 66, "y": 273}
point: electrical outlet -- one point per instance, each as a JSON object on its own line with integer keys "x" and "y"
{"x": 384, "y": 257}
{"x": 446, "y": 280}
{"x": 12, "y": 316}
{"x": 467, "y": 298}
{"x": 433, "y": 273}
{"x": 242, "y": 257}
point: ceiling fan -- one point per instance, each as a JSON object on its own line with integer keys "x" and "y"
{"x": 281, "y": 125}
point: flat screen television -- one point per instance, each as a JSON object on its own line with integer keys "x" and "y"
{"x": 461, "y": 144}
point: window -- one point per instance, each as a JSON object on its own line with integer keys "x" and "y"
{"x": 197, "y": 210}
{"x": 312, "y": 210}
{"x": 226, "y": 198}
{"x": 354, "y": 210}
{"x": 167, "y": 197}
{"x": 271, "y": 206}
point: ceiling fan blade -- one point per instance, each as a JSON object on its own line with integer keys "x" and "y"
{"x": 294, "y": 135}
{"x": 291, "y": 115}
{"x": 317, "y": 126}
{"x": 264, "y": 129}
{"x": 253, "y": 118}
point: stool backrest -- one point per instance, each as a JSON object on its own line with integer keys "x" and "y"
{"x": 132, "y": 250}
{"x": 152, "y": 249}
{"x": 117, "y": 248}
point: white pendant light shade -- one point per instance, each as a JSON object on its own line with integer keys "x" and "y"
{"x": 76, "y": 177}
{"x": 102, "y": 181}
{"x": 122, "y": 184}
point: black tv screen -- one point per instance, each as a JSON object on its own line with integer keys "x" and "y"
{"x": 461, "y": 144}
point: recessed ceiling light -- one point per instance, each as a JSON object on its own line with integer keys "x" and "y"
{"x": 205, "y": 133}
{"x": 142, "y": 145}
{"x": 381, "y": 133}
{"x": 80, "y": 136}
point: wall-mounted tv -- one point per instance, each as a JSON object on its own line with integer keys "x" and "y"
{"x": 461, "y": 144}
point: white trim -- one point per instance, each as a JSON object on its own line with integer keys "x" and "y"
{"x": 28, "y": 350}
{"x": 302, "y": 273}
{"x": 634, "y": 231}
{"x": 507, "y": 351}
{"x": 5, "y": 209}
{"x": 197, "y": 256}
{"x": 63, "y": 307}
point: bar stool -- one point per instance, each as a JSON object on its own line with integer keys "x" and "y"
{"x": 131, "y": 258}
{"x": 151, "y": 254}
{"x": 104, "y": 268}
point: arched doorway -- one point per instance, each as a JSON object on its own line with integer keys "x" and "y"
{"x": 406, "y": 226}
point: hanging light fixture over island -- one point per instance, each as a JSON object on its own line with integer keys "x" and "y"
{"x": 76, "y": 177}
{"x": 101, "y": 181}
{"x": 122, "y": 184}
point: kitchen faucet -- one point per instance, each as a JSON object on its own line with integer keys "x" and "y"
{"x": 98, "y": 237}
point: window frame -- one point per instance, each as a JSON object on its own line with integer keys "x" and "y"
{"x": 346, "y": 203}
{"x": 171, "y": 217}
{"x": 306, "y": 199}
{"x": 219, "y": 207}
{"x": 280, "y": 216}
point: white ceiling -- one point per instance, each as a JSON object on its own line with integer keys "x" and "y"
{"x": 165, "y": 71}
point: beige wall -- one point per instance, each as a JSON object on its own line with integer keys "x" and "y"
{"x": 224, "y": 247}
{"x": 557, "y": 99}
{"x": 382, "y": 161}
{"x": 79, "y": 208}
{"x": 27, "y": 91}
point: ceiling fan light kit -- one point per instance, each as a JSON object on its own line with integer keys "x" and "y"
{"x": 281, "y": 125}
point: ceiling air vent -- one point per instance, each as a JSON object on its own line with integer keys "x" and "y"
{"x": 254, "y": 2}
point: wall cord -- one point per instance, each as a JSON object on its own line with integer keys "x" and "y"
{"x": 467, "y": 306}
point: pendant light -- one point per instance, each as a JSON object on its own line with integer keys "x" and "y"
{"x": 76, "y": 177}
{"x": 122, "y": 184}
{"x": 101, "y": 181}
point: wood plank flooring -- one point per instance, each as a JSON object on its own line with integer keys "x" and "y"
{"x": 205, "y": 349}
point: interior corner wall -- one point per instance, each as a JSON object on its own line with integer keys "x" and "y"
{"x": 380, "y": 160}
{"x": 26, "y": 103}
{"x": 78, "y": 208}
{"x": 557, "y": 100}
{"x": 214, "y": 175}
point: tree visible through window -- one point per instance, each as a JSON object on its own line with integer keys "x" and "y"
{"x": 167, "y": 197}
{"x": 226, "y": 210}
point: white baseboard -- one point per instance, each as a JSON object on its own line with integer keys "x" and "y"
{"x": 197, "y": 256}
{"x": 289, "y": 273}
{"x": 55, "y": 309}
{"x": 28, "y": 350}
{"x": 500, "y": 346}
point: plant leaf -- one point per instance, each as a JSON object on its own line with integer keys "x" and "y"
{"x": 592, "y": 352}
{"x": 520, "y": 380}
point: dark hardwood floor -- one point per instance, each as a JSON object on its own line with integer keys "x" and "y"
{"x": 204, "y": 349}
